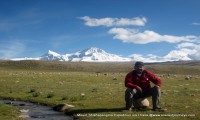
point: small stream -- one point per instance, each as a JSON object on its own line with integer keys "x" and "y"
{"x": 33, "y": 111}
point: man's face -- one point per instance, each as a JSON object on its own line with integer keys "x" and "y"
{"x": 139, "y": 69}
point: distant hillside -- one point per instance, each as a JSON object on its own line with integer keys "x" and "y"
{"x": 66, "y": 66}
{"x": 162, "y": 68}
{"x": 87, "y": 55}
{"x": 94, "y": 54}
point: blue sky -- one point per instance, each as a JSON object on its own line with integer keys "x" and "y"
{"x": 137, "y": 28}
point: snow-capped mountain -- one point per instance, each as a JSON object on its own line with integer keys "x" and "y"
{"x": 98, "y": 55}
{"x": 50, "y": 55}
{"x": 88, "y": 55}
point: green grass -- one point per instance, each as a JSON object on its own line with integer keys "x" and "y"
{"x": 8, "y": 112}
{"x": 53, "y": 83}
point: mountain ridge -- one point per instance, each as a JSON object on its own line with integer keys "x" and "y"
{"x": 94, "y": 54}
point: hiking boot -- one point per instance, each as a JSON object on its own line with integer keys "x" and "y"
{"x": 143, "y": 108}
{"x": 127, "y": 109}
{"x": 131, "y": 109}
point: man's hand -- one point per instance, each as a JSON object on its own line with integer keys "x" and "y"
{"x": 139, "y": 89}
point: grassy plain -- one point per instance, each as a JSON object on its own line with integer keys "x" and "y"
{"x": 99, "y": 96}
{"x": 8, "y": 112}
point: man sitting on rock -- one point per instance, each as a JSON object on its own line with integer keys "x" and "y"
{"x": 138, "y": 86}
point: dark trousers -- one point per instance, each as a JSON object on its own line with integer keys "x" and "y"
{"x": 131, "y": 94}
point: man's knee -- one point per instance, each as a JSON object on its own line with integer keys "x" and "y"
{"x": 129, "y": 90}
{"x": 156, "y": 90}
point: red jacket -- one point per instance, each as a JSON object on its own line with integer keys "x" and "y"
{"x": 132, "y": 80}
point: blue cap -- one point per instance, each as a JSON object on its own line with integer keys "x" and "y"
{"x": 139, "y": 64}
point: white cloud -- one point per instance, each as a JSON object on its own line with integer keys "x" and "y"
{"x": 188, "y": 49}
{"x": 183, "y": 51}
{"x": 137, "y": 57}
{"x": 180, "y": 54}
{"x": 147, "y": 58}
{"x": 173, "y": 55}
{"x": 133, "y": 36}
{"x": 110, "y": 22}
{"x": 195, "y": 55}
{"x": 187, "y": 44}
{"x": 191, "y": 50}
{"x": 195, "y": 23}
{"x": 11, "y": 49}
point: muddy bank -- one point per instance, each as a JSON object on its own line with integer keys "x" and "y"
{"x": 33, "y": 111}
